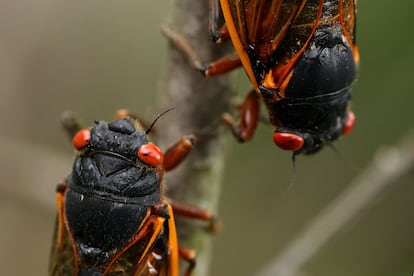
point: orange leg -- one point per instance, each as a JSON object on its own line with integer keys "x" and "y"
{"x": 178, "y": 152}
{"x": 249, "y": 117}
{"x": 221, "y": 66}
{"x": 71, "y": 123}
{"x": 190, "y": 211}
{"x": 215, "y": 68}
{"x": 140, "y": 123}
{"x": 188, "y": 255}
{"x": 218, "y": 35}
{"x": 124, "y": 113}
{"x": 194, "y": 212}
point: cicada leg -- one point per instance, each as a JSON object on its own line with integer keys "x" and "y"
{"x": 189, "y": 255}
{"x": 211, "y": 69}
{"x": 175, "y": 154}
{"x": 219, "y": 35}
{"x": 124, "y": 113}
{"x": 71, "y": 123}
{"x": 249, "y": 117}
{"x": 190, "y": 211}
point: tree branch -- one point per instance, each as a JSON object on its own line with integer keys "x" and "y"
{"x": 199, "y": 104}
{"x": 388, "y": 166}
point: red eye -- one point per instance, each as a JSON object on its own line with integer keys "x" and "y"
{"x": 151, "y": 155}
{"x": 81, "y": 138}
{"x": 350, "y": 122}
{"x": 288, "y": 141}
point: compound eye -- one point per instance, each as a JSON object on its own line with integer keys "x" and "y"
{"x": 288, "y": 141}
{"x": 151, "y": 155}
{"x": 81, "y": 138}
{"x": 350, "y": 123}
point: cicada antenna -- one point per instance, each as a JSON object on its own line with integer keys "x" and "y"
{"x": 341, "y": 157}
{"x": 156, "y": 119}
{"x": 293, "y": 177}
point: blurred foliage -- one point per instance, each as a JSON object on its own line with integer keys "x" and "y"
{"x": 94, "y": 57}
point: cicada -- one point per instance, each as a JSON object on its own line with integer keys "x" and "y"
{"x": 112, "y": 215}
{"x": 301, "y": 58}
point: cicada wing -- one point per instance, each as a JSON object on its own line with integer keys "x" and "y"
{"x": 63, "y": 258}
{"x": 271, "y": 35}
{"x": 148, "y": 253}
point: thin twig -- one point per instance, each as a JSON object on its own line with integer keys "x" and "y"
{"x": 198, "y": 103}
{"x": 387, "y": 167}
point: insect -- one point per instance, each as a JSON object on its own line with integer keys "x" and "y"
{"x": 112, "y": 215}
{"x": 301, "y": 58}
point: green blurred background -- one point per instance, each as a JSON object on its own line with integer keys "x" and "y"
{"x": 97, "y": 56}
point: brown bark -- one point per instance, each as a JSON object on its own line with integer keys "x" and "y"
{"x": 199, "y": 104}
